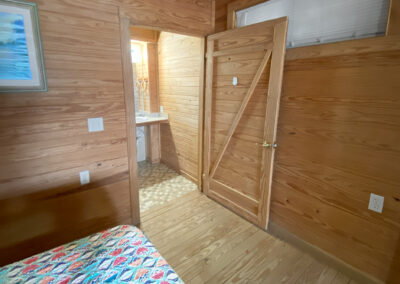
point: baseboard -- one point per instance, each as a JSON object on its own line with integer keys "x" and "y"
{"x": 188, "y": 176}
{"x": 319, "y": 254}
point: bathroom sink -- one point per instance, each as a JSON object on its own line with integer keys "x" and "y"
{"x": 150, "y": 118}
{"x": 140, "y": 119}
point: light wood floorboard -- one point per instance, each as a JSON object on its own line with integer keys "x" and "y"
{"x": 206, "y": 243}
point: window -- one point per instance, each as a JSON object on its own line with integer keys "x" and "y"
{"x": 321, "y": 21}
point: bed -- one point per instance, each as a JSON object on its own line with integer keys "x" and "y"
{"x": 122, "y": 254}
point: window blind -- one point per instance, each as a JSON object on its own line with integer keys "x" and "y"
{"x": 320, "y": 21}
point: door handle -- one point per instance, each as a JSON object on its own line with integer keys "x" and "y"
{"x": 268, "y": 145}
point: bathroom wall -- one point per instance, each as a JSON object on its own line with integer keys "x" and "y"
{"x": 179, "y": 59}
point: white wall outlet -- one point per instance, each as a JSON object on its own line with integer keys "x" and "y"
{"x": 376, "y": 203}
{"x": 85, "y": 177}
{"x": 161, "y": 109}
{"x": 235, "y": 81}
{"x": 95, "y": 124}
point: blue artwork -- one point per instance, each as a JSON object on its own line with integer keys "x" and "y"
{"x": 14, "y": 58}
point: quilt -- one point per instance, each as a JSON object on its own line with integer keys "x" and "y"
{"x": 122, "y": 254}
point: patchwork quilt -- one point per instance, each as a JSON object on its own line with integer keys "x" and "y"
{"x": 122, "y": 254}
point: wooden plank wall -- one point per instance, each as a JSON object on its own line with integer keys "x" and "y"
{"x": 179, "y": 59}
{"x": 221, "y": 8}
{"x": 44, "y": 141}
{"x": 194, "y": 17}
{"x": 394, "y": 18}
{"x": 143, "y": 34}
{"x": 338, "y": 139}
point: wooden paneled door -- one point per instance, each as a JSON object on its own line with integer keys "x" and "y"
{"x": 241, "y": 119}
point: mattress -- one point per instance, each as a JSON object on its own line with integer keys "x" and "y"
{"x": 122, "y": 254}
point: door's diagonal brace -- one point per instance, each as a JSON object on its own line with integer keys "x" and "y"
{"x": 242, "y": 108}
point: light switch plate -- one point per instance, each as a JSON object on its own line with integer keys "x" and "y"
{"x": 376, "y": 203}
{"x": 85, "y": 177}
{"x": 95, "y": 124}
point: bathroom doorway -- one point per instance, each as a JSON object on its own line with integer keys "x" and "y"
{"x": 168, "y": 93}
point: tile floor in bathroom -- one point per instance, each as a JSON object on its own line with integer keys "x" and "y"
{"x": 159, "y": 184}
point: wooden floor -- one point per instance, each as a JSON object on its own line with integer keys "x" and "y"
{"x": 206, "y": 243}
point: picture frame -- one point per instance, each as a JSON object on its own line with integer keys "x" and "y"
{"x": 22, "y": 67}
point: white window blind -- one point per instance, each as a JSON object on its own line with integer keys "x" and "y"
{"x": 320, "y": 21}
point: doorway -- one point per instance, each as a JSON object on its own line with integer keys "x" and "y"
{"x": 167, "y": 76}
{"x": 240, "y": 63}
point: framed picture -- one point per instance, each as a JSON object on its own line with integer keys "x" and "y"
{"x": 21, "y": 55}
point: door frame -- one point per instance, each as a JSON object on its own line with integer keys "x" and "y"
{"x": 127, "y": 73}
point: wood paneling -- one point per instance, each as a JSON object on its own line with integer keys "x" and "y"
{"x": 221, "y": 13}
{"x": 152, "y": 54}
{"x": 179, "y": 81}
{"x": 153, "y": 146}
{"x": 44, "y": 140}
{"x": 125, "y": 37}
{"x": 338, "y": 142}
{"x": 45, "y": 143}
{"x": 241, "y": 118}
{"x": 201, "y": 114}
{"x": 393, "y": 27}
{"x": 194, "y": 17}
{"x": 37, "y": 222}
{"x": 368, "y": 45}
{"x": 143, "y": 34}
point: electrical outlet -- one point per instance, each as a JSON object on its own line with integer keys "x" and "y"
{"x": 95, "y": 124}
{"x": 161, "y": 109}
{"x": 376, "y": 203}
{"x": 85, "y": 177}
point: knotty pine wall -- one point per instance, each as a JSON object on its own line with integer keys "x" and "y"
{"x": 179, "y": 65}
{"x": 44, "y": 141}
{"x": 221, "y": 7}
{"x": 193, "y": 17}
{"x": 338, "y": 136}
{"x": 394, "y": 18}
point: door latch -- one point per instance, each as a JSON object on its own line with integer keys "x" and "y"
{"x": 268, "y": 145}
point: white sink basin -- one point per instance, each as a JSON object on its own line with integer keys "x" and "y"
{"x": 140, "y": 119}
{"x": 151, "y": 117}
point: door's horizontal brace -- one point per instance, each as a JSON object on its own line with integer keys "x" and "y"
{"x": 246, "y": 49}
{"x": 249, "y": 199}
